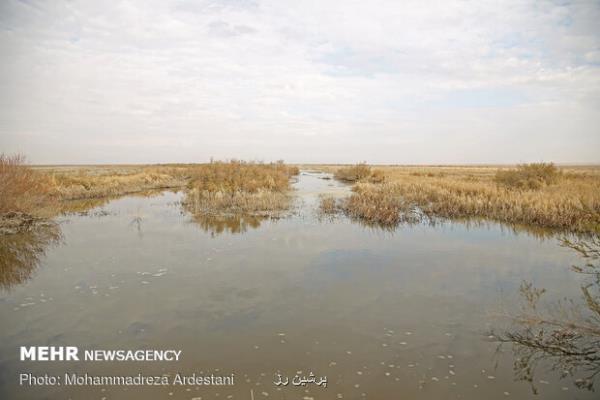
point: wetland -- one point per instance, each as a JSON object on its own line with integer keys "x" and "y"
{"x": 442, "y": 308}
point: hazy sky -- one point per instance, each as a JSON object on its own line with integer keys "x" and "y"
{"x": 306, "y": 81}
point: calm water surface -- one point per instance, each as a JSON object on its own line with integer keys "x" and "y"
{"x": 400, "y": 314}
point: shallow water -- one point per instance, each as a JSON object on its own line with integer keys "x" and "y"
{"x": 383, "y": 314}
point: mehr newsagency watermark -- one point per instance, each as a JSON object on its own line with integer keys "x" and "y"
{"x": 72, "y": 353}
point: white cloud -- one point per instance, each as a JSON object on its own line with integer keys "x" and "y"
{"x": 383, "y": 81}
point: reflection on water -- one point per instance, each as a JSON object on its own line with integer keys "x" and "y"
{"x": 21, "y": 253}
{"x": 380, "y": 313}
{"x": 82, "y": 206}
{"x": 538, "y": 232}
{"x": 564, "y": 335}
{"x": 232, "y": 224}
{"x": 93, "y": 205}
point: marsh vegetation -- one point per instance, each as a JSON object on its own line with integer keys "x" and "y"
{"x": 360, "y": 172}
{"x": 238, "y": 187}
{"x": 22, "y": 189}
{"x": 332, "y": 294}
{"x": 528, "y": 176}
{"x": 217, "y": 188}
{"x": 90, "y": 183}
{"x": 541, "y": 195}
{"x": 535, "y": 194}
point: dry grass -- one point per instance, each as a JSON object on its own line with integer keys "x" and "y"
{"x": 233, "y": 186}
{"x": 90, "y": 183}
{"x": 379, "y": 204}
{"x": 239, "y": 176}
{"x": 528, "y": 176}
{"x": 23, "y": 189}
{"x": 261, "y": 202}
{"x": 328, "y": 205}
{"x": 353, "y": 173}
{"x": 237, "y": 187}
{"x": 540, "y": 195}
{"x": 569, "y": 201}
{"x": 359, "y": 173}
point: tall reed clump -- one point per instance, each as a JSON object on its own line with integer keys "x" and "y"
{"x": 328, "y": 205}
{"x": 358, "y": 173}
{"x": 22, "y": 189}
{"x": 378, "y": 204}
{"x": 238, "y": 187}
{"x": 528, "y": 176}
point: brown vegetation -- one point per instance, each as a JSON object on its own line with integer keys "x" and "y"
{"x": 353, "y": 173}
{"x": 528, "y": 176}
{"x": 86, "y": 183}
{"x": 22, "y": 189}
{"x": 537, "y": 195}
{"x": 238, "y": 176}
{"x": 328, "y": 205}
{"x": 541, "y": 195}
{"x": 239, "y": 187}
{"x": 219, "y": 187}
{"x": 379, "y": 204}
{"x": 359, "y": 173}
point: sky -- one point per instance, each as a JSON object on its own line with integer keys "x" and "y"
{"x": 402, "y": 82}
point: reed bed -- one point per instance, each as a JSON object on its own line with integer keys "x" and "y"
{"x": 537, "y": 195}
{"x": 219, "y": 187}
{"x": 568, "y": 200}
{"x": 89, "y": 184}
{"x": 238, "y": 187}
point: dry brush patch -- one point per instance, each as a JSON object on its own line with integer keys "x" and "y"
{"x": 238, "y": 187}
{"x": 528, "y": 176}
{"x": 361, "y": 172}
{"x": 567, "y": 200}
{"x": 220, "y": 187}
{"x": 379, "y": 204}
{"x": 23, "y": 189}
{"x": 328, "y": 205}
{"x": 89, "y": 183}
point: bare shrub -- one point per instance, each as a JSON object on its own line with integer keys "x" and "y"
{"x": 23, "y": 189}
{"x": 565, "y": 334}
